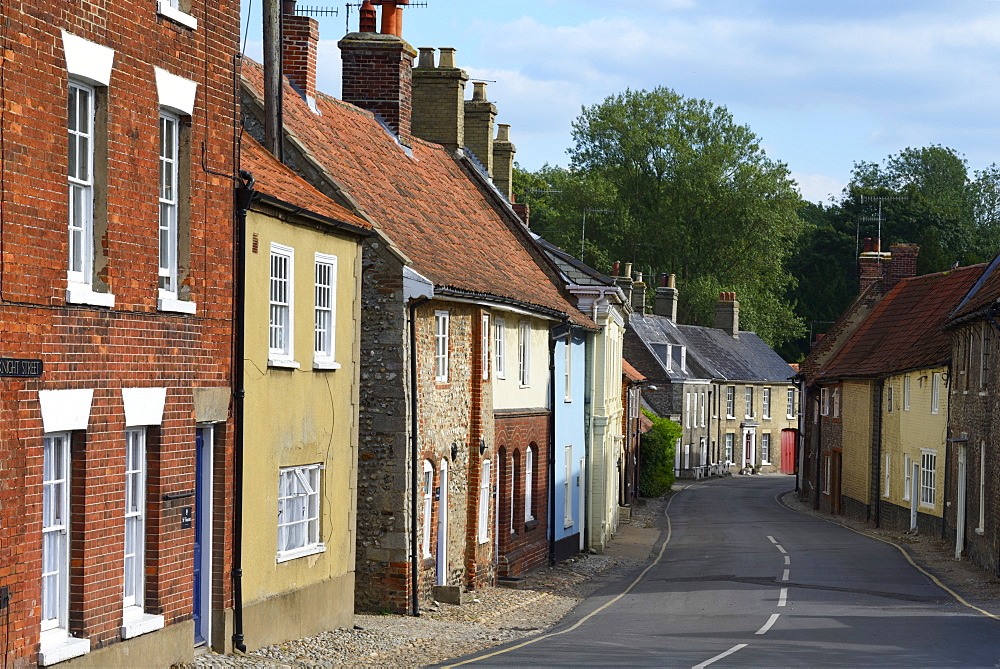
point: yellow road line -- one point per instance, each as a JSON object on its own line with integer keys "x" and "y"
{"x": 593, "y": 613}
{"x": 935, "y": 579}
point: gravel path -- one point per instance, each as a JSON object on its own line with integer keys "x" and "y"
{"x": 444, "y": 631}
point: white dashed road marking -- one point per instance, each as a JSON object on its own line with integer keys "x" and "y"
{"x": 719, "y": 656}
{"x": 783, "y": 597}
{"x": 773, "y": 619}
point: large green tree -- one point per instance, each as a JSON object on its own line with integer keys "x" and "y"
{"x": 675, "y": 185}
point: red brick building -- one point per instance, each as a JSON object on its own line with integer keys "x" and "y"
{"x": 115, "y": 292}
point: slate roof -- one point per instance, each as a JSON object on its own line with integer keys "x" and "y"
{"x": 984, "y": 293}
{"x": 575, "y": 271}
{"x": 280, "y": 182}
{"x": 903, "y": 331}
{"x": 427, "y": 205}
{"x": 711, "y": 353}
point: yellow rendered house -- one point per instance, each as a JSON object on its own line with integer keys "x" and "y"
{"x": 298, "y": 479}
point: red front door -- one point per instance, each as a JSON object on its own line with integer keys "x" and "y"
{"x": 788, "y": 463}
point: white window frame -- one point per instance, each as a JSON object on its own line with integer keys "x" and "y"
{"x": 524, "y": 353}
{"x": 765, "y": 403}
{"x": 886, "y": 475}
{"x": 907, "y": 477}
{"x": 484, "y": 502}
{"x": 171, "y": 10}
{"x": 906, "y": 393}
{"x": 169, "y": 198}
{"x": 568, "y": 370}
{"x": 730, "y": 443}
{"x": 765, "y": 448}
{"x": 703, "y": 409}
{"x": 748, "y": 400}
{"x": 889, "y": 398}
{"x": 836, "y": 402}
{"x": 529, "y": 479}
{"x": 567, "y": 487}
{"x": 55, "y": 531}
{"x": 824, "y": 401}
{"x": 442, "y": 332}
{"x": 428, "y": 500}
{"x": 281, "y": 294}
{"x": 134, "y": 562}
{"x": 731, "y": 402}
{"x": 935, "y": 392}
{"x": 790, "y": 404}
{"x": 484, "y": 342}
{"x": 325, "y": 311}
{"x": 299, "y": 505}
{"x": 500, "y": 345}
{"x": 984, "y": 357}
{"x": 81, "y": 184}
{"x": 687, "y": 410}
{"x": 928, "y": 477}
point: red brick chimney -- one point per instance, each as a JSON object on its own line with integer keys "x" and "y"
{"x": 872, "y": 264}
{"x": 299, "y": 41}
{"x": 727, "y": 314}
{"x": 378, "y": 69}
{"x": 902, "y": 264}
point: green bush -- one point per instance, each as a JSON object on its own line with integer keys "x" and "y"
{"x": 657, "y": 456}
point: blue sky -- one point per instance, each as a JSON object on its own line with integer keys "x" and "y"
{"x": 823, "y": 83}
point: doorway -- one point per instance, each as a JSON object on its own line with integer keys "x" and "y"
{"x": 202, "y": 595}
{"x": 442, "y": 538}
{"x": 960, "y": 520}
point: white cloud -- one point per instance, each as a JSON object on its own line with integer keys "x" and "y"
{"x": 818, "y": 187}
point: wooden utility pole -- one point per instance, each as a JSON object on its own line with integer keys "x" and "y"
{"x": 272, "y": 79}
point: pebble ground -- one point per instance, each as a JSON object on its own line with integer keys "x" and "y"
{"x": 491, "y": 617}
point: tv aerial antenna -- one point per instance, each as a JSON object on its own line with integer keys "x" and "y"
{"x": 876, "y": 219}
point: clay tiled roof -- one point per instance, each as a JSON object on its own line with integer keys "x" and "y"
{"x": 631, "y": 373}
{"x": 278, "y": 181}
{"x": 903, "y": 332}
{"x": 425, "y": 204}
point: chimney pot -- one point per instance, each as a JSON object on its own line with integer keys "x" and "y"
{"x": 288, "y": 7}
{"x": 503, "y": 132}
{"x": 628, "y": 270}
{"x": 479, "y": 90}
{"x": 447, "y": 58}
{"x": 615, "y": 267}
{"x": 426, "y": 57}
{"x": 672, "y": 281}
{"x": 876, "y": 245}
{"x": 369, "y": 17}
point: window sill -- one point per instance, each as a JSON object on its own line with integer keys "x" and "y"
{"x": 143, "y": 623}
{"x": 300, "y": 552}
{"x": 524, "y": 385}
{"x": 325, "y": 365}
{"x": 924, "y": 505}
{"x": 283, "y": 364}
{"x": 57, "y": 646}
{"x": 79, "y": 294}
{"x": 531, "y": 524}
{"x": 177, "y": 306}
{"x": 177, "y": 16}
{"x": 980, "y": 531}
{"x": 567, "y": 525}
{"x": 984, "y": 393}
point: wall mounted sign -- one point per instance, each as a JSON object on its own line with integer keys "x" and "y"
{"x": 20, "y": 367}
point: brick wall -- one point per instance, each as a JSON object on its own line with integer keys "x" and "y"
{"x": 132, "y": 344}
{"x": 523, "y": 543}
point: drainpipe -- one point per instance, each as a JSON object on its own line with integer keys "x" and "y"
{"x": 552, "y": 443}
{"x": 244, "y": 197}
{"x": 414, "y": 460}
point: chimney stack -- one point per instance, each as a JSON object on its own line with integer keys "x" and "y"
{"x": 872, "y": 264}
{"x": 523, "y": 211}
{"x": 639, "y": 295}
{"x": 625, "y": 282}
{"x": 480, "y": 115}
{"x": 299, "y": 40}
{"x": 378, "y": 70}
{"x": 727, "y": 314}
{"x": 902, "y": 264}
{"x": 503, "y": 160}
{"x": 439, "y": 99}
{"x": 666, "y": 298}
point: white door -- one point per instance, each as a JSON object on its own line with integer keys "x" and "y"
{"x": 960, "y": 521}
{"x": 914, "y": 494}
{"x": 442, "y": 547}
{"x": 581, "y": 488}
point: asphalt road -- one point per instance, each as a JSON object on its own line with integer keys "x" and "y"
{"x": 743, "y": 581}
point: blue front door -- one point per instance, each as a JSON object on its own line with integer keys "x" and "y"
{"x": 201, "y": 607}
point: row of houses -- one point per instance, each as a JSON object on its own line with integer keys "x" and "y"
{"x": 900, "y": 404}
{"x": 269, "y": 359}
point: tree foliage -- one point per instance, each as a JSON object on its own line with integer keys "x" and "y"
{"x": 656, "y": 475}
{"x": 675, "y": 185}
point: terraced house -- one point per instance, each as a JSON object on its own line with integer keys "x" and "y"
{"x": 457, "y": 304}
{"x": 116, "y": 296}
